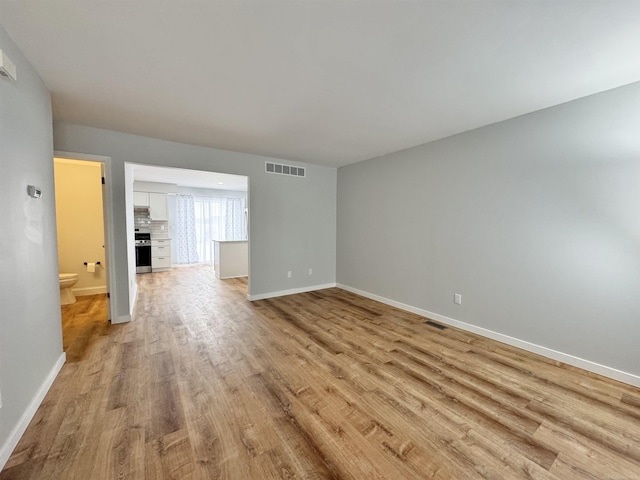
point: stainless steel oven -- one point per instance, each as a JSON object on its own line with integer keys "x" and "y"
{"x": 143, "y": 252}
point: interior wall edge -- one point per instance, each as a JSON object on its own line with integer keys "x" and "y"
{"x": 134, "y": 297}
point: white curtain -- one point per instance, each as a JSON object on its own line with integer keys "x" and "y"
{"x": 218, "y": 219}
{"x": 185, "y": 230}
{"x": 235, "y": 223}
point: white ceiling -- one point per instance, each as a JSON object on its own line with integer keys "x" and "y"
{"x": 190, "y": 178}
{"x": 328, "y": 82}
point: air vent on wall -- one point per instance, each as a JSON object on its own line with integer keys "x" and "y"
{"x": 288, "y": 170}
{"x": 435, "y": 325}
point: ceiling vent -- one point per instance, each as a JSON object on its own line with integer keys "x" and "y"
{"x": 289, "y": 170}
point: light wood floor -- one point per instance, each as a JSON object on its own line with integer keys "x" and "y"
{"x": 83, "y": 323}
{"x": 206, "y": 385}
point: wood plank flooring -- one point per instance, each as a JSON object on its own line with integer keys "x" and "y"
{"x": 82, "y": 323}
{"x": 203, "y": 384}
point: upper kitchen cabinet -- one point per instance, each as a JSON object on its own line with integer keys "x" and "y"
{"x": 140, "y": 199}
{"x": 158, "y": 206}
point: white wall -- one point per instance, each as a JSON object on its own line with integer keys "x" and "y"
{"x": 80, "y": 223}
{"x": 535, "y": 220}
{"x": 292, "y": 220}
{"x": 211, "y": 192}
{"x": 158, "y": 187}
{"x": 30, "y": 324}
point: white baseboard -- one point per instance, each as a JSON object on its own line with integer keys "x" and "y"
{"x": 282, "y": 293}
{"x": 588, "y": 365}
{"x": 81, "y": 292}
{"x": 27, "y": 416}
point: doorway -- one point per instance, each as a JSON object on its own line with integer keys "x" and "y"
{"x": 207, "y": 215}
{"x": 83, "y": 260}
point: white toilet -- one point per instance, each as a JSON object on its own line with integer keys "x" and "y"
{"x": 67, "y": 280}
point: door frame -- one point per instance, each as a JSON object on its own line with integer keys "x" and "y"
{"x": 107, "y": 208}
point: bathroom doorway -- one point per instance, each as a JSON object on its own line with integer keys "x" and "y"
{"x": 82, "y": 231}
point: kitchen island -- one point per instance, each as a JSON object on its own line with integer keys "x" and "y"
{"x": 231, "y": 258}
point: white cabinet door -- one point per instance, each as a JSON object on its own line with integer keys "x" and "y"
{"x": 140, "y": 199}
{"x": 159, "y": 264}
{"x": 158, "y": 206}
{"x": 161, "y": 251}
{"x": 161, "y": 242}
{"x": 160, "y": 254}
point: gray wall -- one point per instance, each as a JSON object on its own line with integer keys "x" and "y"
{"x": 30, "y": 324}
{"x": 292, "y": 224}
{"x": 535, "y": 220}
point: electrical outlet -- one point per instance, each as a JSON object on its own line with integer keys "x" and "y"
{"x": 457, "y": 298}
{"x": 289, "y": 274}
{"x": 311, "y": 271}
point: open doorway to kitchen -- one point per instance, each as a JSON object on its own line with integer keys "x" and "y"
{"x": 190, "y": 218}
{"x": 81, "y": 213}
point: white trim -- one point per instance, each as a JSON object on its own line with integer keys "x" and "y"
{"x": 32, "y": 408}
{"x": 588, "y": 365}
{"x": 80, "y": 292}
{"x": 80, "y": 156}
{"x": 292, "y": 291}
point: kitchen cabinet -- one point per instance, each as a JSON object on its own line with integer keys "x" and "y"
{"x": 160, "y": 254}
{"x": 158, "y": 206}
{"x": 140, "y": 199}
